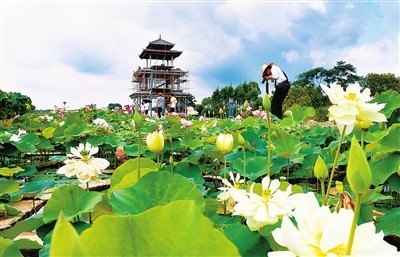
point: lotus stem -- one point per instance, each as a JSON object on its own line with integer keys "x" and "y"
{"x": 325, "y": 200}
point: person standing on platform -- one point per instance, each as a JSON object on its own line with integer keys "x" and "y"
{"x": 274, "y": 73}
{"x": 160, "y": 102}
{"x": 173, "y": 103}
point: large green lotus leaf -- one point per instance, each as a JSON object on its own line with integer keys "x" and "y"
{"x": 254, "y": 139}
{"x": 177, "y": 229}
{"x": 389, "y": 222}
{"x": 72, "y": 201}
{"x": 8, "y": 186}
{"x": 192, "y": 143}
{"x": 189, "y": 171}
{"x": 29, "y": 224}
{"x": 45, "y": 144}
{"x": 301, "y": 113}
{"x": 32, "y": 188}
{"x": 229, "y": 124}
{"x": 48, "y": 132}
{"x": 249, "y": 243}
{"x": 383, "y": 168}
{"x": 76, "y": 129}
{"x": 8, "y": 248}
{"x": 112, "y": 140}
{"x": 309, "y": 161}
{"x": 389, "y": 143}
{"x": 130, "y": 165}
{"x": 237, "y": 154}
{"x": 287, "y": 146}
{"x": 58, "y": 134}
{"x": 255, "y": 167}
{"x": 154, "y": 189}
{"x": 391, "y": 99}
{"x": 73, "y": 118}
{"x": 25, "y": 243}
{"x": 328, "y": 154}
{"x": 131, "y": 150}
{"x": 28, "y": 143}
{"x": 95, "y": 140}
{"x": 7, "y": 210}
{"x": 8, "y": 172}
{"x": 28, "y": 171}
{"x": 129, "y": 180}
{"x": 65, "y": 240}
{"x": 394, "y": 182}
{"x": 195, "y": 156}
{"x": 9, "y": 150}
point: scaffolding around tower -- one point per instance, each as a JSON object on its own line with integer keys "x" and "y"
{"x": 160, "y": 76}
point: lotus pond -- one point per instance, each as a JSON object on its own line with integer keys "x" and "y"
{"x": 199, "y": 186}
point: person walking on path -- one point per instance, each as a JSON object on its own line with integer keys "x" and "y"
{"x": 160, "y": 105}
{"x": 274, "y": 73}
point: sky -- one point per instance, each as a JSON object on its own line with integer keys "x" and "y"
{"x": 85, "y": 52}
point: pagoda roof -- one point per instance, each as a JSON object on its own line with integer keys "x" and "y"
{"x": 160, "y": 44}
{"x": 157, "y": 54}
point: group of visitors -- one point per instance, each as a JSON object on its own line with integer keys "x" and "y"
{"x": 160, "y": 106}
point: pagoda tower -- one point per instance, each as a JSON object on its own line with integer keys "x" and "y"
{"x": 160, "y": 76}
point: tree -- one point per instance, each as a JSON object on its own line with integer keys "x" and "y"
{"x": 247, "y": 91}
{"x": 311, "y": 78}
{"x": 13, "y": 104}
{"x": 343, "y": 74}
{"x": 379, "y": 83}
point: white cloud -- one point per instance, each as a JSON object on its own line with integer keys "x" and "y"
{"x": 291, "y": 56}
{"x": 381, "y": 56}
{"x": 85, "y": 52}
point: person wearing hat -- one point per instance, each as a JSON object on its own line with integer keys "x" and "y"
{"x": 275, "y": 74}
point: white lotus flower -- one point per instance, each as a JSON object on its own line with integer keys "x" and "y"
{"x": 320, "y": 232}
{"x": 265, "y": 209}
{"x": 231, "y": 193}
{"x": 15, "y": 138}
{"x": 186, "y": 123}
{"x": 82, "y": 163}
{"x": 352, "y": 107}
{"x": 101, "y": 123}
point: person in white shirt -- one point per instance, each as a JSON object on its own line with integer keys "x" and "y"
{"x": 274, "y": 73}
{"x": 173, "y": 101}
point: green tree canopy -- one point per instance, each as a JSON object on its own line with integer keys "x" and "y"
{"x": 379, "y": 83}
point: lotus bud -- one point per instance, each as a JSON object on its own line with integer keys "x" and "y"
{"x": 240, "y": 139}
{"x": 137, "y": 119}
{"x": 155, "y": 141}
{"x": 358, "y": 170}
{"x": 246, "y": 105}
{"x": 224, "y": 143}
{"x": 267, "y": 103}
{"x": 320, "y": 169}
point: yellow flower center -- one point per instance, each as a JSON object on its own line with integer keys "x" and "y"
{"x": 351, "y": 96}
{"x": 85, "y": 156}
{"x": 266, "y": 194}
{"x": 236, "y": 184}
